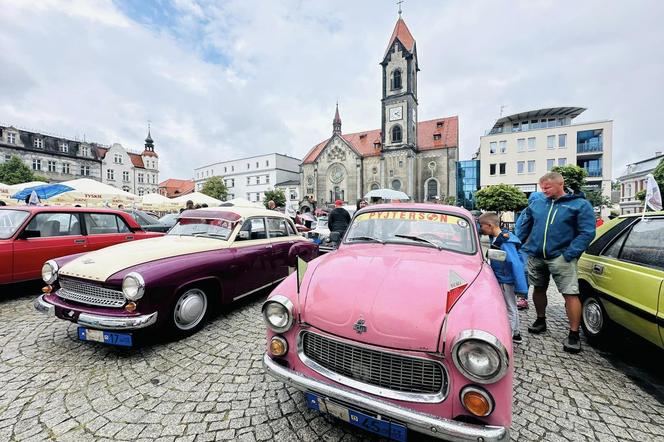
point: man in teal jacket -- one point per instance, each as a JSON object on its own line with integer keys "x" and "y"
{"x": 555, "y": 232}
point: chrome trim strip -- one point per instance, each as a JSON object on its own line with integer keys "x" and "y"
{"x": 368, "y": 388}
{"x": 424, "y": 423}
{"x": 43, "y": 306}
{"x": 255, "y": 290}
{"x": 287, "y": 304}
{"x": 481, "y": 335}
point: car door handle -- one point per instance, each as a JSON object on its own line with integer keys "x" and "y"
{"x": 79, "y": 241}
{"x": 598, "y": 269}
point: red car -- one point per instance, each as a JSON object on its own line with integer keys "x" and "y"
{"x": 31, "y": 235}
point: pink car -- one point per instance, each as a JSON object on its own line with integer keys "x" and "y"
{"x": 403, "y": 327}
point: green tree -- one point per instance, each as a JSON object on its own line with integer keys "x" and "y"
{"x": 216, "y": 188}
{"x": 15, "y": 171}
{"x": 575, "y": 176}
{"x": 658, "y": 173}
{"x": 500, "y": 198}
{"x": 276, "y": 195}
{"x": 596, "y": 199}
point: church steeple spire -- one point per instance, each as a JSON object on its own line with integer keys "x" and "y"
{"x": 149, "y": 144}
{"x": 336, "y": 123}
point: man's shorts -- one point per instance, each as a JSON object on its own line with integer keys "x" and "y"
{"x": 564, "y": 274}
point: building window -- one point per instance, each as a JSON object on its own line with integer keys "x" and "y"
{"x": 503, "y": 146}
{"x": 140, "y": 191}
{"x": 224, "y": 169}
{"x": 520, "y": 167}
{"x": 501, "y": 168}
{"x": 551, "y": 142}
{"x": 36, "y": 164}
{"x": 85, "y": 151}
{"x": 492, "y": 169}
{"x": 396, "y": 79}
{"x": 117, "y": 159}
{"x": 248, "y": 180}
{"x": 531, "y": 143}
{"x": 396, "y": 185}
{"x": 521, "y": 145}
{"x": 396, "y": 134}
{"x": 436, "y": 137}
{"x": 400, "y": 163}
{"x": 64, "y": 147}
{"x": 562, "y": 161}
{"x": 51, "y": 166}
{"x": 267, "y": 163}
{"x": 125, "y": 176}
{"x": 531, "y": 166}
{"x": 257, "y": 165}
{"x": 232, "y": 168}
{"x": 85, "y": 170}
{"x": 38, "y": 143}
{"x": 247, "y": 166}
{"x": 267, "y": 179}
{"x": 65, "y": 168}
{"x": 493, "y": 147}
{"x": 11, "y": 138}
{"x": 391, "y": 172}
{"x": 562, "y": 141}
{"x": 140, "y": 178}
{"x": 550, "y": 163}
{"x": 110, "y": 174}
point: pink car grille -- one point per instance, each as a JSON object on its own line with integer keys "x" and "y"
{"x": 90, "y": 294}
{"x": 386, "y": 370}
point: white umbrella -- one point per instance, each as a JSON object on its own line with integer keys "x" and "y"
{"x": 88, "y": 192}
{"x": 158, "y": 202}
{"x": 197, "y": 198}
{"x": 21, "y": 186}
{"x": 242, "y": 202}
{"x": 387, "y": 194}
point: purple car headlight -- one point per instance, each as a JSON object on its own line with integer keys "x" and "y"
{"x": 49, "y": 271}
{"x": 133, "y": 286}
{"x": 278, "y": 313}
{"x": 480, "y": 356}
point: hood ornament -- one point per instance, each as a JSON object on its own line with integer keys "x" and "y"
{"x": 359, "y": 326}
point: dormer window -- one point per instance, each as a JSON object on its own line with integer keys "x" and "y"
{"x": 11, "y": 138}
{"x": 38, "y": 143}
{"x": 117, "y": 158}
{"x": 396, "y": 134}
{"x": 85, "y": 151}
{"x": 396, "y": 79}
{"x": 377, "y": 145}
{"x": 439, "y": 123}
{"x": 436, "y": 137}
{"x": 363, "y": 136}
{"x": 64, "y": 147}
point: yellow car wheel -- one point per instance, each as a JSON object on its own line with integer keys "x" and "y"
{"x": 595, "y": 321}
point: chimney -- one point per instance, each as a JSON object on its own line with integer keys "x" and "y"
{"x": 658, "y": 153}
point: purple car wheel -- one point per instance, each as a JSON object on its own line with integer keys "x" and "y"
{"x": 190, "y": 310}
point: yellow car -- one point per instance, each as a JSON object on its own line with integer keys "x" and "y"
{"x": 621, "y": 278}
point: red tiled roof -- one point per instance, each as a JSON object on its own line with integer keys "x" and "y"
{"x": 175, "y": 187}
{"x": 401, "y": 32}
{"x": 101, "y": 151}
{"x": 136, "y": 160}
{"x": 363, "y": 142}
{"x": 150, "y": 153}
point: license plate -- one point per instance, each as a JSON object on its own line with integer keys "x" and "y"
{"x": 105, "y": 337}
{"x": 369, "y": 423}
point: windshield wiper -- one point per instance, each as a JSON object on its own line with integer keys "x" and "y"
{"x": 366, "y": 238}
{"x": 214, "y": 235}
{"x": 417, "y": 238}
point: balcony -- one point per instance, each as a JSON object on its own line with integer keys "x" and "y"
{"x": 593, "y": 173}
{"x": 592, "y": 146}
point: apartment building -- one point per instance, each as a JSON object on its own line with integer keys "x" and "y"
{"x": 633, "y": 180}
{"x": 520, "y": 148}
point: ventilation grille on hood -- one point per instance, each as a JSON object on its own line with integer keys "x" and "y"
{"x": 403, "y": 374}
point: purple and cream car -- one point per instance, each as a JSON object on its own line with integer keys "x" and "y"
{"x": 403, "y": 327}
{"x": 211, "y": 256}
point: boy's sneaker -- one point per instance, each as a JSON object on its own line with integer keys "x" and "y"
{"x": 573, "y": 343}
{"x": 517, "y": 339}
{"x": 539, "y": 326}
{"x": 522, "y": 303}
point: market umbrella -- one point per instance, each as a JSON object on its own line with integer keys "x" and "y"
{"x": 43, "y": 191}
{"x": 92, "y": 193}
{"x": 387, "y": 194}
{"x": 197, "y": 198}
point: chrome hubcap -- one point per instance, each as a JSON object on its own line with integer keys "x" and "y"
{"x": 592, "y": 316}
{"x": 190, "y": 309}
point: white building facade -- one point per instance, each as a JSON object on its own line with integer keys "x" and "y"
{"x": 133, "y": 172}
{"x": 633, "y": 180}
{"x": 251, "y": 177}
{"x": 520, "y": 148}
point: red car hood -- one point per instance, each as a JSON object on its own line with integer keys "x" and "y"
{"x": 400, "y": 293}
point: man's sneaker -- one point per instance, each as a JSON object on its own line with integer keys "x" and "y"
{"x": 517, "y": 339}
{"x": 539, "y": 326}
{"x": 572, "y": 344}
{"x": 522, "y": 303}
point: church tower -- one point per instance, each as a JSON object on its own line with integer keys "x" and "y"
{"x": 399, "y": 103}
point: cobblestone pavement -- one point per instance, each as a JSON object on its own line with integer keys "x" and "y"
{"x": 211, "y": 386}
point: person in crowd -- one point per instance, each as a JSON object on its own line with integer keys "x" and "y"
{"x": 522, "y": 299}
{"x": 362, "y": 203}
{"x": 298, "y": 218}
{"x": 197, "y": 206}
{"x": 120, "y": 206}
{"x": 189, "y": 205}
{"x": 204, "y": 205}
{"x": 2, "y": 203}
{"x": 271, "y": 205}
{"x": 509, "y": 273}
{"x": 339, "y": 218}
{"x": 555, "y": 232}
{"x": 32, "y": 199}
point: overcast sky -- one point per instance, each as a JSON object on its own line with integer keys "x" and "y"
{"x": 225, "y": 79}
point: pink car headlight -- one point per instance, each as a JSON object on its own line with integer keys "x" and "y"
{"x": 480, "y": 356}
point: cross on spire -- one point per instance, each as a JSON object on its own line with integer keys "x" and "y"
{"x": 399, "y": 3}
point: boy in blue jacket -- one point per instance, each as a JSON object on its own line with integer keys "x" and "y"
{"x": 509, "y": 273}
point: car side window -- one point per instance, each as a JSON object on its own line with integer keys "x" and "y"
{"x": 291, "y": 229}
{"x": 277, "y": 227}
{"x": 55, "y": 224}
{"x": 101, "y": 223}
{"x": 645, "y": 243}
{"x": 613, "y": 251}
{"x": 255, "y": 228}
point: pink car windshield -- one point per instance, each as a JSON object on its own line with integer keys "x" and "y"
{"x": 419, "y": 228}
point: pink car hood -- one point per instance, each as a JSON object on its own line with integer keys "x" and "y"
{"x": 399, "y": 291}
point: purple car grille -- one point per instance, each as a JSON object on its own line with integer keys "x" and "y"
{"x": 90, "y": 294}
{"x": 387, "y": 370}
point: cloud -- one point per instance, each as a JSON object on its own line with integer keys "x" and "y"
{"x": 221, "y": 80}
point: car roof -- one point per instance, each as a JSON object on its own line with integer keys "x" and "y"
{"x": 633, "y": 215}
{"x": 223, "y": 212}
{"x": 419, "y": 207}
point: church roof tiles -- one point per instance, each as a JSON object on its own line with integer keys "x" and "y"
{"x": 401, "y": 32}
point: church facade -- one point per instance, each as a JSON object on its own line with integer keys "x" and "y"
{"x": 415, "y": 157}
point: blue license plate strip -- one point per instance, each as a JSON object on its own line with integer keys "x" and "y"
{"x": 384, "y": 428}
{"x": 105, "y": 337}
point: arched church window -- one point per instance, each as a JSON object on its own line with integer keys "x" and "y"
{"x": 375, "y": 186}
{"x": 396, "y": 134}
{"x": 396, "y": 185}
{"x": 396, "y": 79}
{"x": 432, "y": 189}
